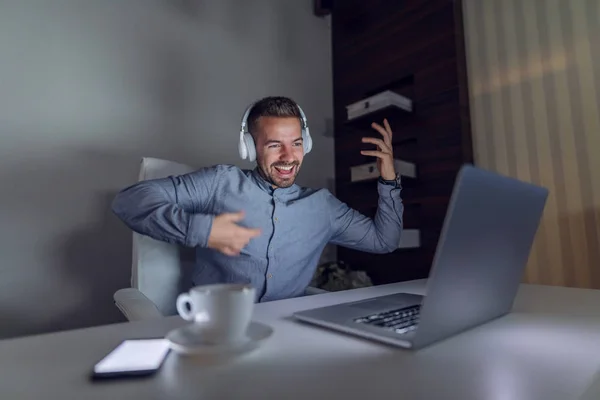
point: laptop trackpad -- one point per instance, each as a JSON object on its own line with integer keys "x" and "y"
{"x": 392, "y": 301}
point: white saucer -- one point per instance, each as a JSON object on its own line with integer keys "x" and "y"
{"x": 188, "y": 340}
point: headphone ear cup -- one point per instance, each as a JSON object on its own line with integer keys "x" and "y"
{"x": 307, "y": 142}
{"x": 242, "y": 148}
{"x": 250, "y": 148}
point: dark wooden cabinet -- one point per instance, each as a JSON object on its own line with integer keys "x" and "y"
{"x": 414, "y": 48}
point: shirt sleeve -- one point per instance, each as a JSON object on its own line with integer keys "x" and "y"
{"x": 172, "y": 209}
{"x": 380, "y": 234}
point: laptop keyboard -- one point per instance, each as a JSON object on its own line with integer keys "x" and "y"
{"x": 401, "y": 320}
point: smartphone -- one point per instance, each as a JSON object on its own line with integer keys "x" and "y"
{"x": 132, "y": 358}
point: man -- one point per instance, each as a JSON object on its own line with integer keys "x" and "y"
{"x": 258, "y": 226}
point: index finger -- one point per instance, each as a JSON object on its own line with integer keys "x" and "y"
{"x": 386, "y": 136}
{"x": 388, "y": 128}
{"x": 252, "y": 232}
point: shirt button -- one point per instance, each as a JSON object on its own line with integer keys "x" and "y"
{"x": 276, "y": 219}
{"x": 270, "y": 276}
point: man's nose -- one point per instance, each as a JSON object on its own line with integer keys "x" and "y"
{"x": 286, "y": 153}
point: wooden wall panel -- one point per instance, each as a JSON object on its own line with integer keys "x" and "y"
{"x": 415, "y": 48}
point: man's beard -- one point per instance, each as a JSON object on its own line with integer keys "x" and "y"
{"x": 281, "y": 177}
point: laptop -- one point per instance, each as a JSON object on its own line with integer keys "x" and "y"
{"x": 481, "y": 254}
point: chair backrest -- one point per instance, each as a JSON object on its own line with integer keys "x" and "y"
{"x": 161, "y": 270}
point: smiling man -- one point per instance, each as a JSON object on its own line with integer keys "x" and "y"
{"x": 258, "y": 226}
{"x": 279, "y": 141}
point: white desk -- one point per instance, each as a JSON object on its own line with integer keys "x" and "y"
{"x": 549, "y": 348}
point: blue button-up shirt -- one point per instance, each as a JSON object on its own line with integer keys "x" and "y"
{"x": 296, "y": 224}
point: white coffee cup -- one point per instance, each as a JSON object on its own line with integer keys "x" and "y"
{"x": 221, "y": 312}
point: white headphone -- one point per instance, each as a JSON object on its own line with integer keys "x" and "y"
{"x": 246, "y": 146}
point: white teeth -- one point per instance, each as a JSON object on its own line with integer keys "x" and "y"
{"x": 285, "y": 168}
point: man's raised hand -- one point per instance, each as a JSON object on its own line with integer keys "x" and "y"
{"x": 384, "y": 152}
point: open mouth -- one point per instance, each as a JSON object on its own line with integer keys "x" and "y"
{"x": 285, "y": 171}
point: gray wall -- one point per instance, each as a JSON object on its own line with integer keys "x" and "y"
{"x": 89, "y": 87}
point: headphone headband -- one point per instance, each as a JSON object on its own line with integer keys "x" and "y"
{"x": 243, "y": 129}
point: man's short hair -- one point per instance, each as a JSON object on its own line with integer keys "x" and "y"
{"x": 273, "y": 106}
